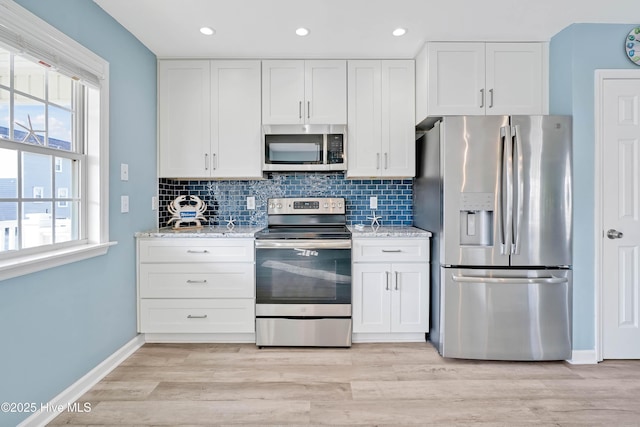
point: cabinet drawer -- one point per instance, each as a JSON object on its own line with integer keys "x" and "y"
{"x": 195, "y": 250}
{"x": 390, "y": 250}
{"x": 212, "y": 280}
{"x": 197, "y": 315}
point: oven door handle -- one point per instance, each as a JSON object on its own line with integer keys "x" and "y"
{"x": 303, "y": 244}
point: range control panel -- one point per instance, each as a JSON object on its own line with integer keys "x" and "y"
{"x": 307, "y": 205}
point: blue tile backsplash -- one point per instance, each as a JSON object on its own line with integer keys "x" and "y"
{"x": 228, "y": 198}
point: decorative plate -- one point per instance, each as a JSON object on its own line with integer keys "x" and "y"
{"x": 632, "y": 44}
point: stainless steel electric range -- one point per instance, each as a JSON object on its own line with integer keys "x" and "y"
{"x": 303, "y": 274}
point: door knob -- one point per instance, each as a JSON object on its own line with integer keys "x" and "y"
{"x": 614, "y": 234}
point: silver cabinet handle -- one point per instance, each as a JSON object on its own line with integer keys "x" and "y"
{"x": 614, "y": 234}
{"x": 508, "y": 280}
{"x": 308, "y": 109}
{"x": 300, "y": 110}
{"x": 490, "y": 98}
{"x": 191, "y": 251}
{"x": 387, "y": 274}
{"x": 206, "y": 161}
{"x": 386, "y": 160}
{"x": 391, "y": 250}
{"x": 481, "y": 98}
{"x": 191, "y": 316}
{"x": 377, "y": 160}
{"x": 397, "y": 280}
{"x": 215, "y": 161}
{"x": 196, "y": 281}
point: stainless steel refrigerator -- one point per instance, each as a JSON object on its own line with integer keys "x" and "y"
{"x": 495, "y": 191}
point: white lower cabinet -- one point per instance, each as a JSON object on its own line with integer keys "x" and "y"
{"x": 196, "y": 286}
{"x": 390, "y": 288}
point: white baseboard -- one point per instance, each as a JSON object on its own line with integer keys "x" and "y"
{"x": 84, "y": 384}
{"x": 583, "y": 357}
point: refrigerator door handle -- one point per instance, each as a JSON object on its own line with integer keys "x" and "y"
{"x": 512, "y": 280}
{"x": 519, "y": 188}
{"x": 505, "y": 214}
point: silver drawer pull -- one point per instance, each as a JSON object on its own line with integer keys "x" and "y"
{"x": 191, "y": 251}
{"x": 196, "y": 281}
{"x": 191, "y": 316}
{"x": 392, "y": 250}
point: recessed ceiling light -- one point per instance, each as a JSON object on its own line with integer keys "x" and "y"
{"x": 302, "y": 31}
{"x": 399, "y": 32}
{"x": 207, "y": 31}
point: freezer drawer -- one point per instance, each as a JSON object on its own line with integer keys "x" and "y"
{"x": 506, "y": 314}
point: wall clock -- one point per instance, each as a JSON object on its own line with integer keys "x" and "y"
{"x": 632, "y": 44}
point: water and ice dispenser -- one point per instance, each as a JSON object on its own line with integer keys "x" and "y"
{"x": 476, "y": 219}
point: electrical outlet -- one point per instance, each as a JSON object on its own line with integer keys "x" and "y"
{"x": 373, "y": 202}
{"x": 124, "y": 172}
{"x": 251, "y": 202}
{"x": 154, "y": 203}
{"x": 124, "y": 204}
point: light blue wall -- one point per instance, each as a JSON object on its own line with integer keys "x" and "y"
{"x": 575, "y": 54}
{"x": 58, "y": 324}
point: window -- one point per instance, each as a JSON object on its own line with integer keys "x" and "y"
{"x": 53, "y": 146}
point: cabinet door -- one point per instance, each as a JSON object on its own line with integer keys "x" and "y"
{"x": 184, "y": 118}
{"x": 371, "y": 297}
{"x": 282, "y": 92}
{"x": 398, "y": 113}
{"x": 235, "y": 112}
{"x": 410, "y": 297}
{"x": 456, "y": 79}
{"x": 364, "y": 130}
{"x": 325, "y": 92}
{"x": 514, "y": 78}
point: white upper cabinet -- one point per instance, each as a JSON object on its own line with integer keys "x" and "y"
{"x": 184, "y": 118}
{"x": 481, "y": 79}
{"x": 381, "y": 132}
{"x": 209, "y": 119}
{"x": 304, "y": 92}
{"x": 235, "y": 119}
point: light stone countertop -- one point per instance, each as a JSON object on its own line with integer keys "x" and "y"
{"x": 389, "y": 231}
{"x": 240, "y": 231}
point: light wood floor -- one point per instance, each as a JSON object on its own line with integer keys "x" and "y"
{"x": 369, "y": 384}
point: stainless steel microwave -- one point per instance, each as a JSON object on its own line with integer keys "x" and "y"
{"x": 305, "y": 148}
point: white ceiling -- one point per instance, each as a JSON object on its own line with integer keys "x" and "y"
{"x": 349, "y": 28}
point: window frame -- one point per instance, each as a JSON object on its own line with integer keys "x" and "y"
{"x": 24, "y": 33}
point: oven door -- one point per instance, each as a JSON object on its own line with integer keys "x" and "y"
{"x": 303, "y": 278}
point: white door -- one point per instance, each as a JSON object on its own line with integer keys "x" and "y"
{"x": 235, "y": 119}
{"x": 621, "y": 215}
{"x": 364, "y": 118}
{"x": 410, "y": 298}
{"x": 398, "y": 113}
{"x": 371, "y": 297}
{"x": 456, "y": 79}
{"x": 184, "y": 118}
{"x": 325, "y": 92}
{"x": 514, "y": 80}
{"x": 282, "y": 92}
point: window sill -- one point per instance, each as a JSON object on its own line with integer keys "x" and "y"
{"x": 20, "y": 266}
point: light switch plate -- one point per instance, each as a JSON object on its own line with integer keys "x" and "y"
{"x": 373, "y": 202}
{"x": 124, "y": 204}
{"x": 124, "y": 172}
{"x": 251, "y": 202}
